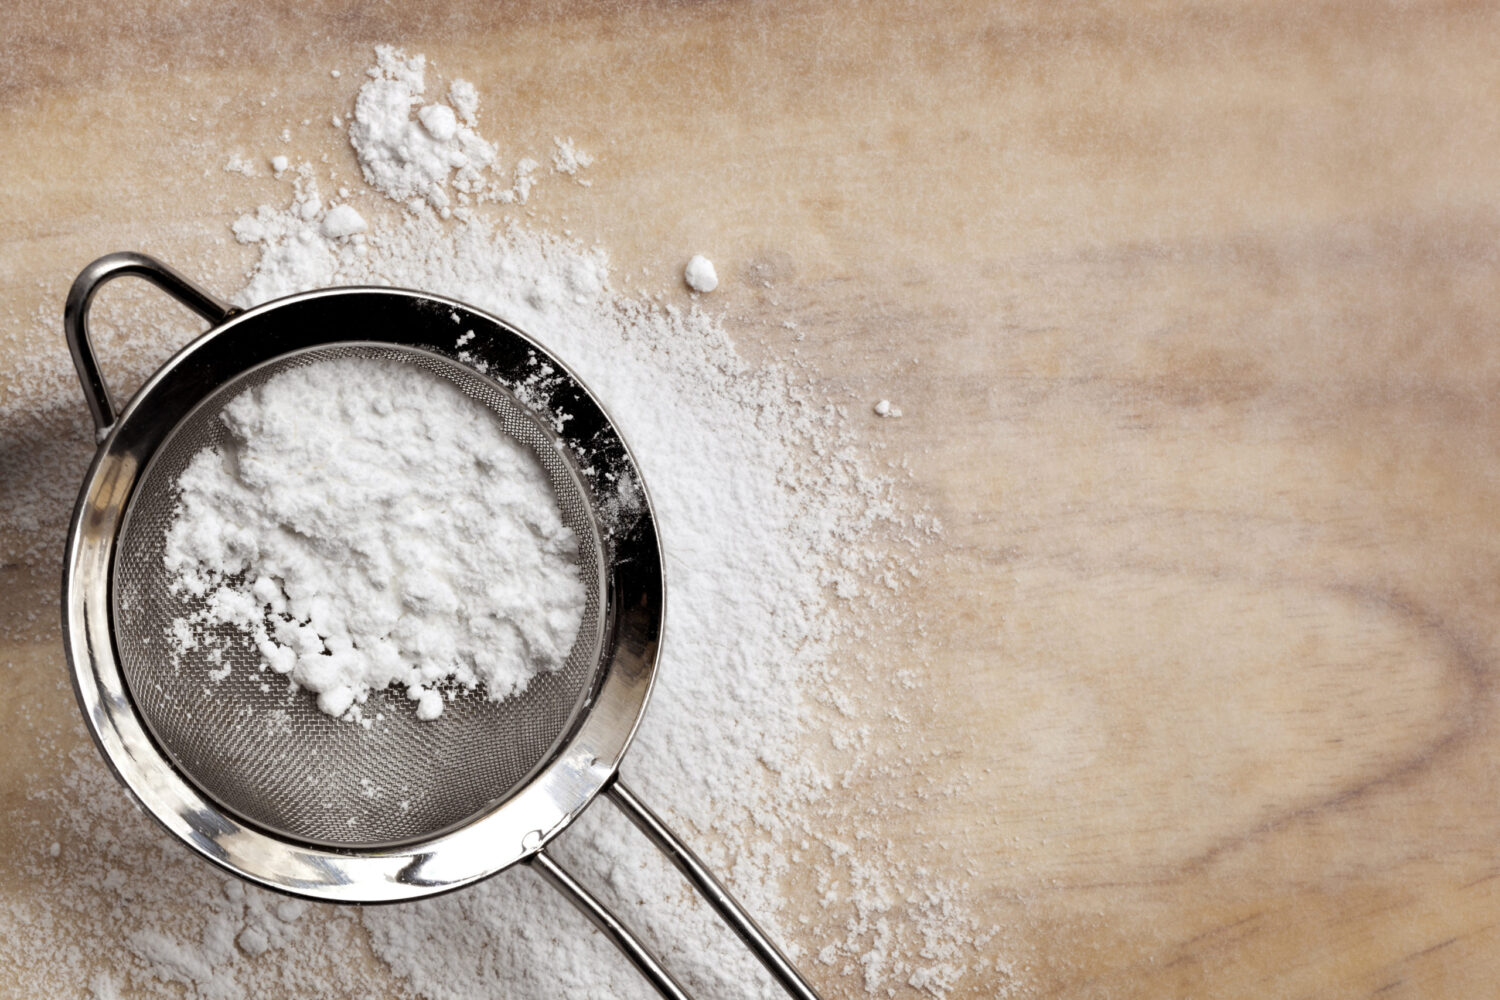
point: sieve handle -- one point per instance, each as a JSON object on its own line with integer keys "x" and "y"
{"x": 691, "y": 866}
{"x": 601, "y": 917}
{"x": 712, "y": 890}
{"x": 76, "y": 326}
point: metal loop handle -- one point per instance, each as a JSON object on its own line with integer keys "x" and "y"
{"x": 646, "y": 963}
{"x": 75, "y": 319}
{"x": 712, "y": 890}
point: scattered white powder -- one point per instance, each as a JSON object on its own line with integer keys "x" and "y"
{"x": 237, "y": 164}
{"x": 525, "y": 181}
{"x": 568, "y": 158}
{"x": 407, "y": 159}
{"x": 700, "y": 274}
{"x": 885, "y": 408}
{"x": 465, "y": 100}
{"x": 778, "y": 547}
{"x": 369, "y": 525}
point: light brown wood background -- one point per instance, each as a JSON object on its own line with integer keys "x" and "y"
{"x": 1194, "y": 312}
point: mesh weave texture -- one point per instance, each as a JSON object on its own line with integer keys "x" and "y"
{"x": 271, "y": 756}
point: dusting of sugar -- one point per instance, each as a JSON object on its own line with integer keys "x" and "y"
{"x": 237, "y": 164}
{"x": 773, "y": 535}
{"x": 525, "y": 180}
{"x": 568, "y": 158}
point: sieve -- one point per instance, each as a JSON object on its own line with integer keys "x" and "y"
{"x": 252, "y": 776}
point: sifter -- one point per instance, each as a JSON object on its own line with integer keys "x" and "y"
{"x": 259, "y": 781}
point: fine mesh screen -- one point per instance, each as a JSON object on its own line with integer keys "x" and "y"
{"x": 271, "y": 756}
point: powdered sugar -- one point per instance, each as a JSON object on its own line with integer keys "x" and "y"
{"x": 465, "y": 100}
{"x": 762, "y": 508}
{"x": 772, "y": 532}
{"x": 406, "y": 159}
{"x": 369, "y": 525}
{"x": 342, "y": 220}
{"x": 569, "y": 159}
{"x": 700, "y": 274}
{"x": 237, "y": 164}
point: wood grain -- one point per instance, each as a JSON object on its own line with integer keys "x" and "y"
{"x": 1191, "y": 309}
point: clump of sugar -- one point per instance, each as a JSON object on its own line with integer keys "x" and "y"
{"x": 439, "y": 121}
{"x": 342, "y": 220}
{"x": 415, "y": 160}
{"x": 465, "y": 99}
{"x": 369, "y": 525}
{"x": 700, "y": 274}
{"x": 569, "y": 159}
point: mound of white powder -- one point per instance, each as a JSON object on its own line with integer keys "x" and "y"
{"x": 369, "y": 525}
{"x": 417, "y": 159}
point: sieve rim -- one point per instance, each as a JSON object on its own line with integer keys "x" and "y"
{"x": 517, "y": 826}
{"x": 594, "y": 635}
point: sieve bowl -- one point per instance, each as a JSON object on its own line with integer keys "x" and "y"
{"x": 257, "y": 781}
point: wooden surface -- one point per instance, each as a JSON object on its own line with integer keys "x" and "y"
{"x": 1194, "y": 313}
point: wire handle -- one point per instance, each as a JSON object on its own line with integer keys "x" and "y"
{"x": 728, "y": 908}
{"x": 76, "y": 310}
{"x": 645, "y": 961}
{"x": 692, "y": 867}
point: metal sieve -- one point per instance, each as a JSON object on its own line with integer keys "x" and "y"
{"x": 246, "y": 770}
